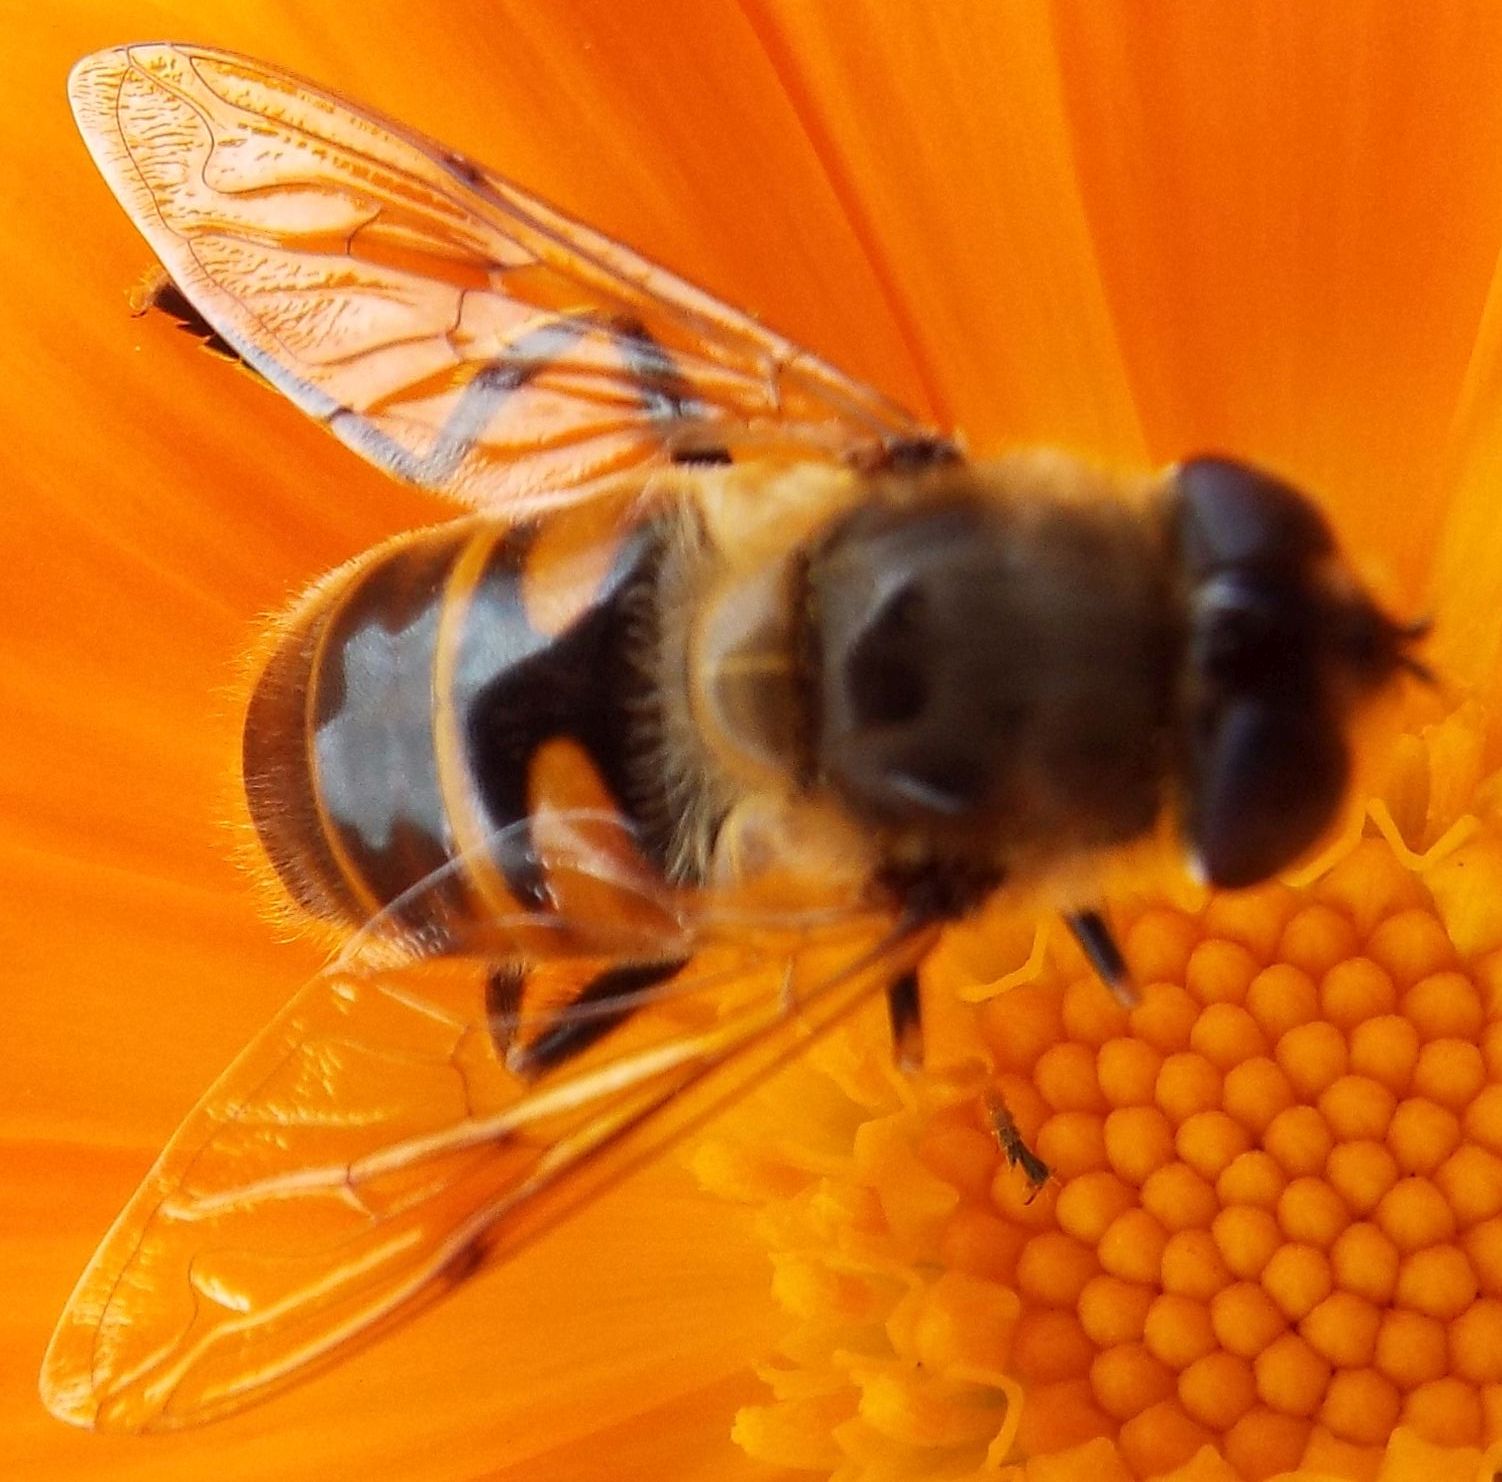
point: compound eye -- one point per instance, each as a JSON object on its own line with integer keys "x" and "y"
{"x": 1254, "y": 637}
{"x": 1234, "y": 515}
{"x": 1267, "y": 781}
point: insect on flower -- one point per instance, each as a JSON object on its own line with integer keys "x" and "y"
{"x": 733, "y": 684}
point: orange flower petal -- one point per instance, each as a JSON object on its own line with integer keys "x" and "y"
{"x": 956, "y": 169}
{"x": 158, "y": 503}
{"x": 1263, "y": 187}
{"x": 1137, "y": 235}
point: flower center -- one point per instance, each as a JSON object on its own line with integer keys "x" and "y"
{"x": 1279, "y": 1182}
{"x": 1273, "y": 1229}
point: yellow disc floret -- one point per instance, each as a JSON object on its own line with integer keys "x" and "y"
{"x": 1272, "y": 1237}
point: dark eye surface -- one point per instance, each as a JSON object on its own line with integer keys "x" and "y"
{"x": 1255, "y": 636}
{"x": 1268, "y": 779}
{"x": 1234, "y": 515}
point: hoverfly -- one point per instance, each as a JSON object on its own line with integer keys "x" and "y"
{"x": 734, "y": 684}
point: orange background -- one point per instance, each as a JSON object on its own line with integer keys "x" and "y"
{"x": 1272, "y": 230}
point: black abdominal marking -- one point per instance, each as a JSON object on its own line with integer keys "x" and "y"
{"x": 515, "y": 689}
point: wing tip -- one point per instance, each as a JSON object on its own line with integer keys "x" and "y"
{"x": 96, "y": 61}
{"x": 95, "y": 78}
{"x": 70, "y": 1383}
{"x": 86, "y": 78}
{"x": 69, "y": 1389}
{"x": 64, "y": 1385}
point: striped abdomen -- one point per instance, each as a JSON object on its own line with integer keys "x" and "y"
{"x": 427, "y": 706}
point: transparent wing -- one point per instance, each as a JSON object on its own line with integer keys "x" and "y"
{"x": 447, "y": 325}
{"x": 380, "y": 1139}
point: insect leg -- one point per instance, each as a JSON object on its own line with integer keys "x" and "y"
{"x": 905, "y": 1010}
{"x": 503, "y": 1001}
{"x": 157, "y": 290}
{"x": 1099, "y": 945}
{"x": 905, "y": 455}
{"x": 605, "y": 1002}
